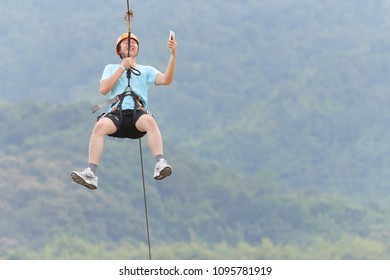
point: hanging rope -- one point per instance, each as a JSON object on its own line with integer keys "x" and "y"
{"x": 145, "y": 202}
{"x": 128, "y": 18}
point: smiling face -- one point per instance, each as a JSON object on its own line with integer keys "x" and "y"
{"x": 123, "y": 48}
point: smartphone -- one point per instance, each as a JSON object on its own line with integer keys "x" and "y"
{"x": 171, "y": 35}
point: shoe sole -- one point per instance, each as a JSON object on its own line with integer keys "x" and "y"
{"x": 81, "y": 181}
{"x": 165, "y": 172}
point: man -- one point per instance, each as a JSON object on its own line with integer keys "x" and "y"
{"x": 121, "y": 120}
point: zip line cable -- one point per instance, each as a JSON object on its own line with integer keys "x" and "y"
{"x": 128, "y": 18}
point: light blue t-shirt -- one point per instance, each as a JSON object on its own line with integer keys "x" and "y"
{"x": 139, "y": 84}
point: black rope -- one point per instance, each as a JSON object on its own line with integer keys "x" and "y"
{"x": 128, "y": 19}
{"x": 137, "y": 73}
{"x": 145, "y": 202}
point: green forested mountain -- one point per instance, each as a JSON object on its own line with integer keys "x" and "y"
{"x": 276, "y": 127}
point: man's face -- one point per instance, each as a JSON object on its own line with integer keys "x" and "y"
{"x": 133, "y": 47}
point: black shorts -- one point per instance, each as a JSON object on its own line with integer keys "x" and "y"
{"x": 126, "y": 128}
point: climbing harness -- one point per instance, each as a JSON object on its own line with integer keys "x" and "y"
{"x": 116, "y": 104}
{"x": 119, "y": 98}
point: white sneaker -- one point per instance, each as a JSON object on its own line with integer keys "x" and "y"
{"x": 162, "y": 170}
{"x": 85, "y": 178}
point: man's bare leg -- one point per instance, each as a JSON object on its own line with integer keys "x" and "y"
{"x": 103, "y": 127}
{"x": 87, "y": 177}
{"x": 146, "y": 123}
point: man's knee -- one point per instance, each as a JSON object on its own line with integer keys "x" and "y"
{"x": 104, "y": 126}
{"x": 146, "y": 123}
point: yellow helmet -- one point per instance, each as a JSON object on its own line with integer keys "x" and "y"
{"x": 123, "y": 37}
